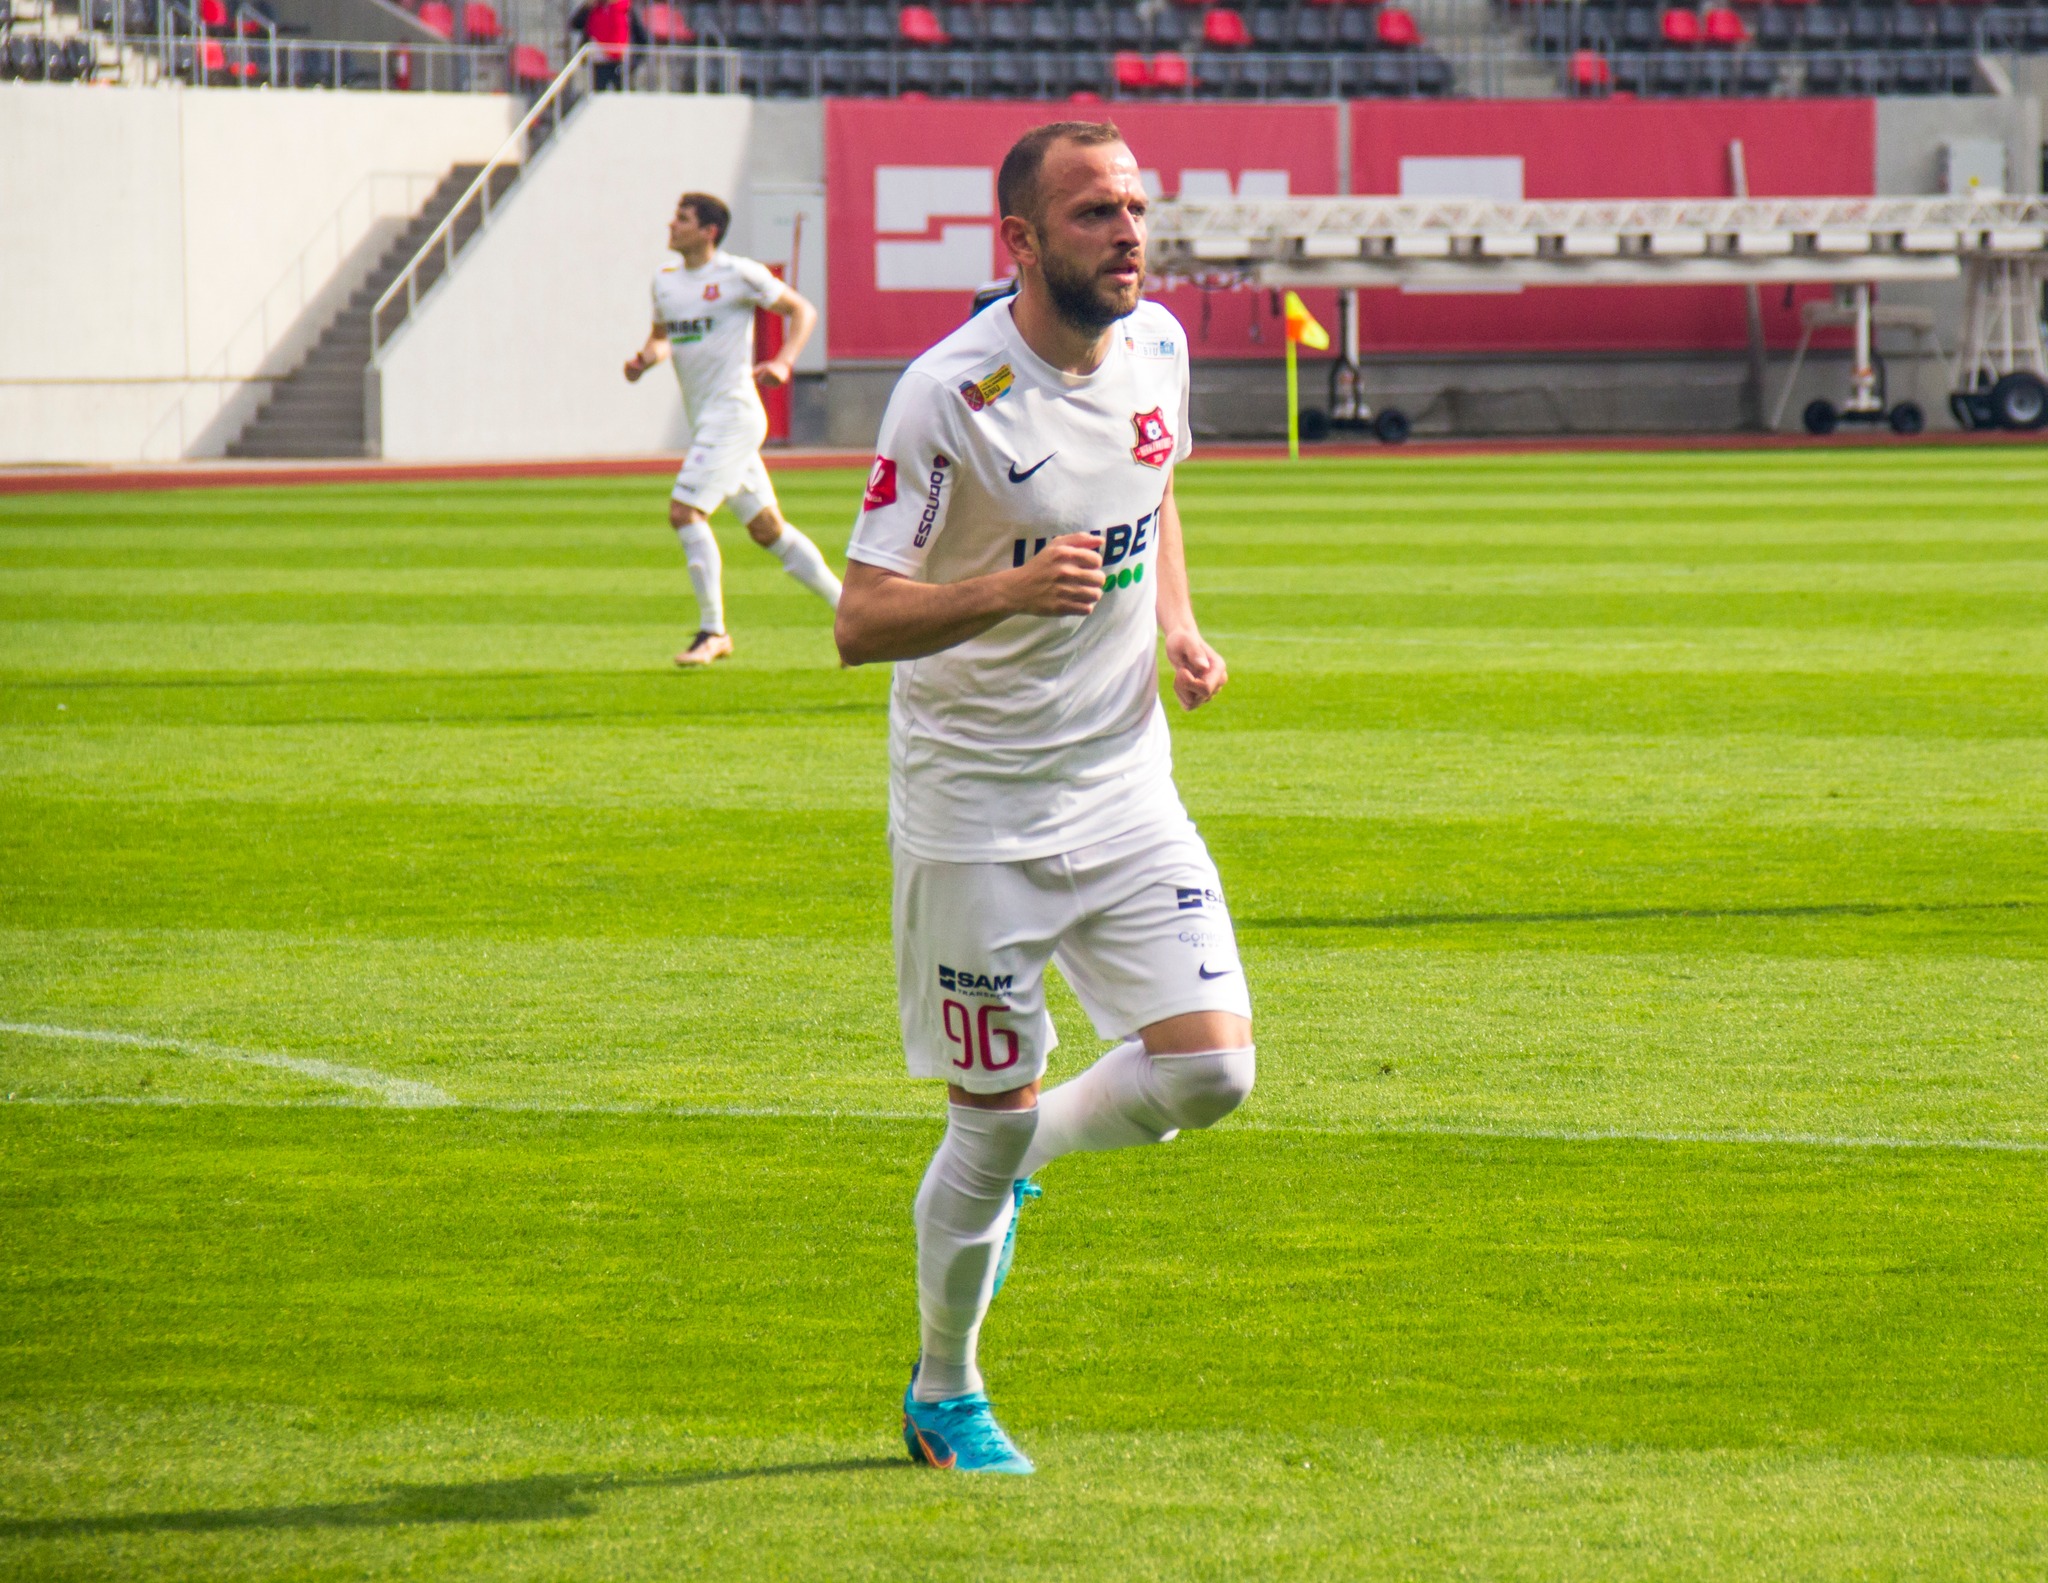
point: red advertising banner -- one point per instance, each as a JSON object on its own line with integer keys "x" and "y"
{"x": 910, "y": 199}
{"x": 1545, "y": 149}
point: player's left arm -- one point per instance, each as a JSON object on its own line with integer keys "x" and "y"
{"x": 803, "y": 319}
{"x": 1198, "y": 670}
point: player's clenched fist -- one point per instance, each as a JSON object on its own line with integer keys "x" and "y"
{"x": 1063, "y": 579}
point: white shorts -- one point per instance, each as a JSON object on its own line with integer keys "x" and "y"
{"x": 1137, "y": 925}
{"x": 725, "y": 468}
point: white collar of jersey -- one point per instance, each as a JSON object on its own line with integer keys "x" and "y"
{"x": 1039, "y": 366}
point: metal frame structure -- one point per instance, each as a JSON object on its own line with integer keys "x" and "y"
{"x": 1999, "y": 244}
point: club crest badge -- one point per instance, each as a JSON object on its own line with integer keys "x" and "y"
{"x": 1155, "y": 440}
{"x": 881, "y": 485}
{"x": 711, "y": 292}
{"x": 978, "y": 393}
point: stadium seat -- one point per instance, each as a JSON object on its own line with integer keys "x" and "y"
{"x": 749, "y": 26}
{"x": 1007, "y": 78}
{"x": 1638, "y": 29}
{"x": 872, "y": 76}
{"x": 1305, "y": 77}
{"x": 916, "y": 24}
{"x": 1130, "y": 72}
{"x": 1085, "y": 74}
{"x": 72, "y": 60}
{"x": 480, "y": 22}
{"x": 1820, "y": 28}
{"x": 917, "y": 73}
{"x": 789, "y": 77}
{"x": 1222, "y": 29}
{"x": 1268, "y": 29}
{"x": 1865, "y": 28}
{"x": 1756, "y": 76}
{"x": 1588, "y": 73}
{"x": 1127, "y": 28}
{"x": 530, "y": 67}
{"x": 438, "y": 18}
{"x": 1776, "y": 28}
{"x": 789, "y": 26}
{"x": 1084, "y": 28}
{"x": 666, "y": 25}
{"x": 1723, "y": 29}
{"x": 1953, "y": 28}
{"x": 1169, "y": 73}
{"x": 1311, "y": 29}
{"x": 877, "y": 26}
{"x": 212, "y": 14}
{"x": 835, "y": 27}
{"x": 1824, "y": 75}
{"x": 1046, "y": 27}
{"x": 1673, "y": 75}
{"x": 1005, "y": 27}
{"x": 1679, "y": 28}
{"x": 1396, "y": 28}
{"x": 1354, "y": 28}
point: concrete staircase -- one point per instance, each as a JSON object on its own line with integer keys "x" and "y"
{"x": 317, "y": 409}
{"x": 1491, "y": 50}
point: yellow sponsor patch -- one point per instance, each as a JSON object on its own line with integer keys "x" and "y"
{"x": 978, "y": 393}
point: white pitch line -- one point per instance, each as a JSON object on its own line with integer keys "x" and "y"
{"x": 393, "y": 1090}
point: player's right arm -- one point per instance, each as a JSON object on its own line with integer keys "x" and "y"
{"x": 888, "y": 609}
{"x": 654, "y": 351}
{"x": 884, "y": 615}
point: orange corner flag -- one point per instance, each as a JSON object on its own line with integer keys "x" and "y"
{"x": 1301, "y": 324}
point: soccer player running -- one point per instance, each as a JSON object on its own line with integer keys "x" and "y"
{"x": 1017, "y": 552}
{"x": 704, "y": 306}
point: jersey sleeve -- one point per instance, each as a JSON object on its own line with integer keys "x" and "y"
{"x": 763, "y": 289}
{"x": 1186, "y": 431}
{"x": 912, "y": 483}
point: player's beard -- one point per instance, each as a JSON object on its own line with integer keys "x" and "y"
{"x": 1083, "y": 298}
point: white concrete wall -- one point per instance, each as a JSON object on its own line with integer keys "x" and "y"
{"x": 163, "y": 248}
{"x": 517, "y": 353}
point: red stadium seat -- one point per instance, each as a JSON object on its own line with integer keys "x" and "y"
{"x": 1129, "y": 71}
{"x": 1725, "y": 29}
{"x": 1170, "y": 72}
{"x": 530, "y": 67}
{"x": 665, "y": 24}
{"x": 1223, "y": 29}
{"x": 1679, "y": 27}
{"x": 437, "y": 16}
{"x": 1589, "y": 72}
{"x": 213, "y": 15}
{"x": 480, "y": 22}
{"x": 211, "y": 58}
{"x": 917, "y": 24}
{"x": 1396, "y": 29}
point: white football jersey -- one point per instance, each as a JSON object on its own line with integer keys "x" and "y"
{"x": 709, "y": 316}
{"x": 1044, "y": 734}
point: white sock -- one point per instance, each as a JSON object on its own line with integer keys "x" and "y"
{"x": 1129, "y": 1097}
{"x": 707, "y": 574}
{"x": 963, "y": 1209}
{"x": 800, "y": 558}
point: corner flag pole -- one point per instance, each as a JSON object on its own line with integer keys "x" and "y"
{"x": 1302, "y": 330}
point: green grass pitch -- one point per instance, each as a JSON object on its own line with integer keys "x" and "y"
{"x": 454, "y": 1124}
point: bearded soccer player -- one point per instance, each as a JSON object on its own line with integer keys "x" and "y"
{"x": 704, "y": 304}
{"x": 1016, "y": 554}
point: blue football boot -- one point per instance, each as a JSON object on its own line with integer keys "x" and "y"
{"x": 960, "y": 1435}
{"x": 1022, "y": 1192}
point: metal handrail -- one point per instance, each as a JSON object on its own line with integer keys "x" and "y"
{"x": 443, "y": 235}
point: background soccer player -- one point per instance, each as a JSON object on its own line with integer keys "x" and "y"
{"x": 704, "y": 306}
{"x": 1017, "y": 553}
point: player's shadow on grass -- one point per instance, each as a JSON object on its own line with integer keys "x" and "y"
{"x": 541, "y": 1497}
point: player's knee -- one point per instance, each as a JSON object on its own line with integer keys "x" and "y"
{"x": 681, "y": 516}
{"x": 765, "y": 528}
{"x": 1201, "y": 1088}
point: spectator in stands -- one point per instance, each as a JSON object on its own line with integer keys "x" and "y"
{"x": 615, "y": 28}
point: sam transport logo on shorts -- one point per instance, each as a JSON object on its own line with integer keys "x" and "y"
{"x": 962, "y": 981}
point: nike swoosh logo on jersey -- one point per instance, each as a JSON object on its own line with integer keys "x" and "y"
{"x": 1018, "y": 478}
{"x": 1203, "y": 970}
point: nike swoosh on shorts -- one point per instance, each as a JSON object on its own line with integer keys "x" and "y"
{"x": 1018, "y": 478}
{"x": 1203, "y": 970}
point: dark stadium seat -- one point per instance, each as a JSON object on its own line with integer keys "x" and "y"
{"x": 789, "y": 75}
{"x": 877, "y": 26}
{"x": 1388, "y": 76}
{"x": 1003, "y": 26}
{"x": 1268, "y": 29}
{"x": 1912, "y": 28}
{"x": 1305, "y": 77}
{"x": 1008, "y": 79}
{"x": 871, "y": 75}
{"x": 1920, "y": 74}
{"x": 1046, "y": 27}
{"x": 1756, "y": 76}
{"x": 789, "y": 25}
{"x": 1777, "y": 27}
{"x": 1638, "y": 29}
{"x": 917, "y": 73}
{"x": 833, "y": 26}
{"x": 1084, "y": 28}
{"x": 1310, "y": 30}
{"x": 1084, "y": 73}
{"x": 1820, "y": 28}
{"x": 1673, "y": 74}
{"x": 707, "y": 21}
{"x": 1354, "y": 28}
{"x": 1872, "y": 74}
{"x": 72, "y": 60}
{"x": 1632, "y": 74}
{"x": 1824, "y": 75}
{"x": 1865, "y": 28}
{"x": 1953, "y": 28}
{"x": 748, "y": 26}
{"x": 1127, "y": 29}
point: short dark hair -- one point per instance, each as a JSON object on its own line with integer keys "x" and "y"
{"x": 1017, "y": 182}
{"x": 708, "y": 210}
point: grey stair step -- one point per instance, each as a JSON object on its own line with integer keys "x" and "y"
{"x": 317, "y": 409}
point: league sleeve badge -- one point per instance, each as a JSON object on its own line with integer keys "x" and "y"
{"x": 1155, "y": 440}
{"x": 881, "y": 485}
